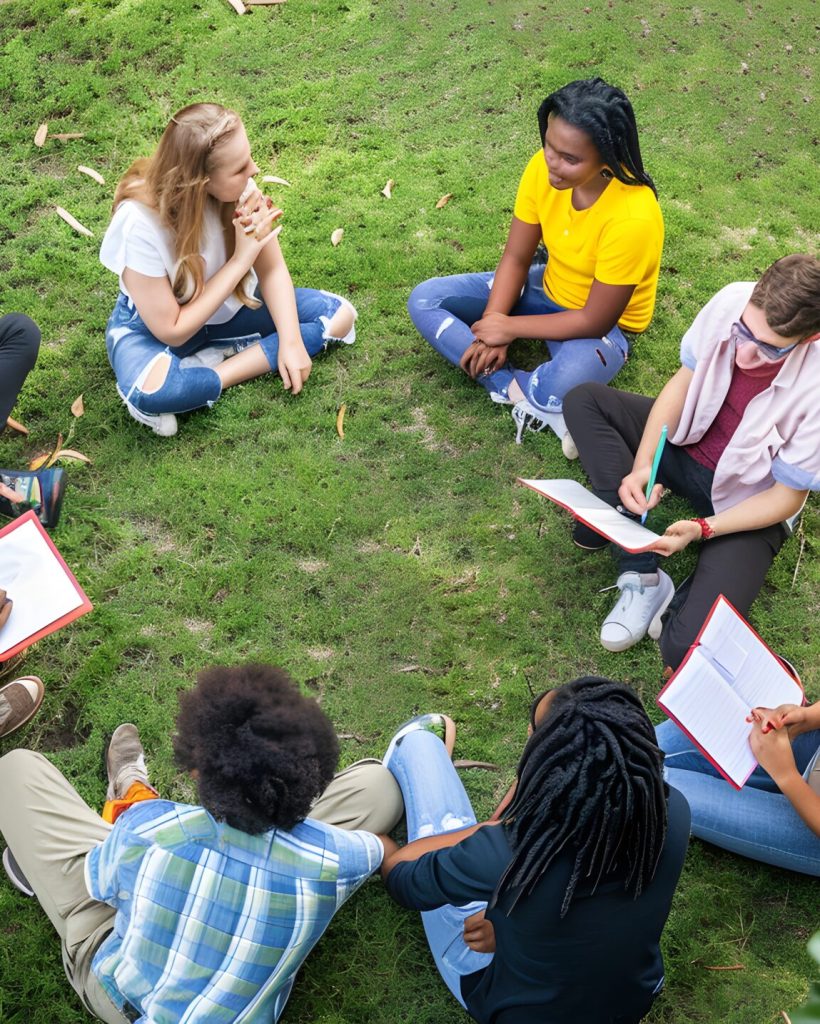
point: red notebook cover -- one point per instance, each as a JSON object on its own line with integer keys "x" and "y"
{"x": 718, "y": 600}
{"x": 84, "y": 606}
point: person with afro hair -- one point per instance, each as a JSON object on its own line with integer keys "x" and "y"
{"x": 201, "y": 912}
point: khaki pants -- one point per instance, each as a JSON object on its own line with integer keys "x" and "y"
{"x": 50, "y": 829}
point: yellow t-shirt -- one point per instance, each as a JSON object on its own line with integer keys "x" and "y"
{"x": 618, "y": 240}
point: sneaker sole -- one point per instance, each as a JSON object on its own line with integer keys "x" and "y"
{"x": 656, "y": 626}
{"x": 14, "y": 878}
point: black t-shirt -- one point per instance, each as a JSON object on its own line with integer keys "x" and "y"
{"x": 601, "y": 964}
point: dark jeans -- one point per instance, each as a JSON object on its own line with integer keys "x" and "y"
{"x": 607, "y": 426}
{"x": 19, "y": 344}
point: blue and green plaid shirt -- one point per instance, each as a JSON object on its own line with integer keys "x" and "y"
{"x": 212, "y": 924}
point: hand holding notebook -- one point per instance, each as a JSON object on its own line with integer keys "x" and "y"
{"x": 728, "y": 672}
{"x": 43, "y": 592}
{"x": 595, "y": 513}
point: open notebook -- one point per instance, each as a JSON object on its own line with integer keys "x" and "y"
{"x": 595, "y": 513}
{"x": 44, "y": 592}
{"x": 728, "y": 671}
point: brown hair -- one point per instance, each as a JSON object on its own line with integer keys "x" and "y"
{"x": 789, "y": 295}
{"x": 173, "y": 182}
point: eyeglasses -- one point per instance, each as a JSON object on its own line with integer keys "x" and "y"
{"x": 740, "y": 332}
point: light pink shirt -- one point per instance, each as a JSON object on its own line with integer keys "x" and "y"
{"x": 778, "y": 438}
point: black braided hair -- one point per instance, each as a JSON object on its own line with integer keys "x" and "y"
{"x": 606, "y": 115}
{"x": 590, "y": 783}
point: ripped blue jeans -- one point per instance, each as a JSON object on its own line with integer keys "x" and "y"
{"x": 443, "y": 309}
{"x": 191, "y": 383}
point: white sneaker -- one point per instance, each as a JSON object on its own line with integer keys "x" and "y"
{"x": 644, "y": 598}
{"x": 210, "y": 357}
{"x": 527, "y": 417}
{"x": 163, "y": 423}
{"x": 568, "y": 447}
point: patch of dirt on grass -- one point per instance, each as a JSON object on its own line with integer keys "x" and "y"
{"x": 161, "y": 538}
{"x": 320, "y": 653}
{"x": 311, "y": 565}
{"x": 63, "y": 732}
{"x": 740, "y": 238}
{"x": 421, "y": 426}
{"x": 199, "y": 627}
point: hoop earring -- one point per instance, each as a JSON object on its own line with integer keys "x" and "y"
{"x": 606, "y": 174}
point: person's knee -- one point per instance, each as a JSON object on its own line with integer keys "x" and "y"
{"x": 377, "y": 799}
{"x": 26, "y": 335}
{"x": 424, "y": 296}
{"x": 675, "y": 640}
{"x": 579, "y": 401}
{"x": 155, "y": 374}
{"x": 17, "y": 767}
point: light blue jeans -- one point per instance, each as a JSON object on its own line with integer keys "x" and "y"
{"x": 132, "y": 350}
{"x": 443, "y": 309}
{"x": 435, "y": 801}
{"x": 757, "y": 821}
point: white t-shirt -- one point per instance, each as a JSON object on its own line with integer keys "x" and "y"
{"x": 137, "y": 239}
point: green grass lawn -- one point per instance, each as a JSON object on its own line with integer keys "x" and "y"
{"x": 399, "y": 569}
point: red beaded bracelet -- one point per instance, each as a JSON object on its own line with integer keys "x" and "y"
{"x": 706, "y": 530}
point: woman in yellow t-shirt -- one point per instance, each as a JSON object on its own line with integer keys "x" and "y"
{"x": 587, "y": 196}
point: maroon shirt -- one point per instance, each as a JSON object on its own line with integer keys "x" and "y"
{"x": 743, "y": 388}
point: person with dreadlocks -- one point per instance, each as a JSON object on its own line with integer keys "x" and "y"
{"x": 586, "y": 196}
{"x": 552, "y": 910}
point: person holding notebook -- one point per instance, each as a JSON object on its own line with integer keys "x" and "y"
{"x": 775, "y": 817}
{"x": 743, "y": 421}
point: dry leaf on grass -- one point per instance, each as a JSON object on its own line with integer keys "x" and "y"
{"x": 14, "y": 425}
{"x": 340, "y": 421}
{"x": 444, "y": 201}
{"x": 337, "y": 236}
{"x": 73, "y": 222}
{"x": 91, "y": 173}
{"x": 72, "y": 455}
{"x": 77, "y": 407}
{"x": 272, "y": 179}
{"x": 387, "y": 191}
{"x": 41, "y": 135}
{"x": 238, "y": 6}
{"x": 65, "y": 136}
{"x": 728, "y": 967}
{"x": 263, "y": 3}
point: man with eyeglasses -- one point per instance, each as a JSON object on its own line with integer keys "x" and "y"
{"x": 743, "y": 423}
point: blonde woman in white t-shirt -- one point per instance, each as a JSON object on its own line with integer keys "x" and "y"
{"x": 206, "y": 299}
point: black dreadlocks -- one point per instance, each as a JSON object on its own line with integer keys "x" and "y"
{"x": 590, "y": 782}
{"x": 606, "y": 115}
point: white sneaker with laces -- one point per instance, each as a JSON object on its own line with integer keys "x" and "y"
{"x": 644, "y": 598}
{"x": 527, "y": 417}
{"x": 163, "y": 423}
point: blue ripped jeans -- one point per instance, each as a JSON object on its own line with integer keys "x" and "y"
{"x": 757, "y": 821}
{"x": 133, "y": 350}
{"x": 443, "y": 309}
{"x": 435, "y": 801}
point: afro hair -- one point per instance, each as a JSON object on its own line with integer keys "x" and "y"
{"x": 261, "y": 750}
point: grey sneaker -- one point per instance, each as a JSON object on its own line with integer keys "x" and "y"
{"x": 124, "y": 761}
{"x": 441, "y": 725}
{"x": 16, "y": 876}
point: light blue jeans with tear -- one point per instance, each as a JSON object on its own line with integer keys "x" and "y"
{"x": 443, "y": 309}
{"x": 133, "y": 349}
{"x": 435, "y": 801}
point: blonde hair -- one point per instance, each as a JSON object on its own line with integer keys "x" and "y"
{"x": 174, "y": 183}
